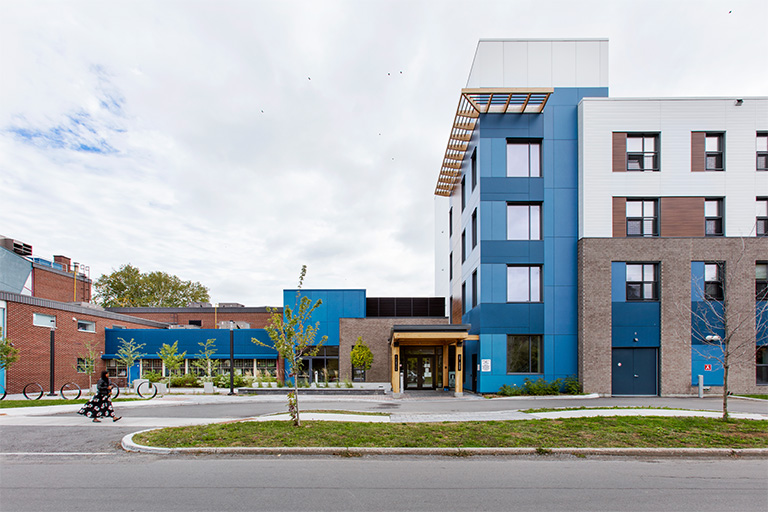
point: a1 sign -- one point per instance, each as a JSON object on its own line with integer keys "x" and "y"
{"x": 707, "y": 367}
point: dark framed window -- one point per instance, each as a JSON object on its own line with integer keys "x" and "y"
{"x": 642, "y": 281}
{"x": 523, "y": 283}
{"x": 523, "y": 353}
{"x": 642, "y": 217}
{"x": 463, "y": 297}
{"x": 463, "y": 246}
{"x": 474, "y": 288}
{"x": 761, "y": 280}
{"x": 450, "y": 266}
{"x": 714, "y": 148}
{"x": 713, "y": 281}
{"x": 761, "y": 226}
{"x": 473, "y": 161}
{"x": 523, "y": 221}
{"x": 463, "y": 192}
{"x": 85, "y": 365}
{"x": 761, "y": 366}
{"x": 523, "y": 159}
{"x": 642, "y": 152}
{"x": 762, "y": 151}
{"x": 154, "y": 365}
{"x": 713, "y": 217}
{"x": 450, "y": 222}
{"x": 474, "y": 228}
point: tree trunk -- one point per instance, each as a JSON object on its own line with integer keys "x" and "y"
{"x": 726, "y": 367}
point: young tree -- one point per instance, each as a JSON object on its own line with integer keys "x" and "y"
{"x": 127, "y": 355}
{"x": 129, "y": 287}
{"x": 204, "y": 359}
{"x": 294, "y": 338}
{"x": 361, "y": 356}
{"x": 723, "y": 324}
{"x": 171, "y": 359}
{"x": 86, "y": 361}
{"x": 8, "y": 353}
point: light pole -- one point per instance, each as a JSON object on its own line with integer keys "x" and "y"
{"x": 53, "y": 363}
{"x": 231, "y": 357}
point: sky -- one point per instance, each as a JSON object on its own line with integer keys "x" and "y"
{"x": 231, "y": 142}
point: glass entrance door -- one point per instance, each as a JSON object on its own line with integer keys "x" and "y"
{"x": 419, "y": 371}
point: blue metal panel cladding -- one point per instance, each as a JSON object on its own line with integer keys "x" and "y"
{"x": 336, "y": 304}
{"x": 618, "y": 281}
{"x": 555, "y": 317}
{"x": 189, "y": 340}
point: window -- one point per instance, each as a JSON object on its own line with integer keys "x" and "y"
{"x": 523, "y": 354}
{"x": 463, "y": 297}
{"x": 642, "y": 152}
{"x": 523, "y": 159}
{"x": 474, "y": 228}
{"x": 761, "y": 366}
{"x": 41, "y": 320}
{"x": 762, "y": 151}
{"x": 85, "y": 326}
{"x": 474, "y": 168}
{"x": 713, "y": 217}
{"x": 450, "y": 222}
{"x": 642, "y": 219}
{"x": 463, "y": 192}
{"x": 196, "y": 323}
{"x": 156, "y": 365}
{"x": 85, "y": 365}
{"x": 713, "y": 281}
{"x": 523, "y": 222}
{"x": 713, "y": 146}
{"x": 450, "y": 266}
{"x": 474, "y": 288}
{"x": 523, "y": 284}
{"x": 463, "y": 246}
{"x": 267, "y": 367}
{"x": 761, "y": 227}
{"x": 761, "y": 280}
{"x": 642, "y": 281}
{"x": 115, "y": 369}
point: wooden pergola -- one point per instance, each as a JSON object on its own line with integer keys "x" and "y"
{"x": 446, "y": 335}
{"x": 472, "y": 103}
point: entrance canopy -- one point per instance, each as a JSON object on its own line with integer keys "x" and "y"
{"x": 423, "y": 345}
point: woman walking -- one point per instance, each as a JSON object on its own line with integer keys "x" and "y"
{"x": 100, "y": 405}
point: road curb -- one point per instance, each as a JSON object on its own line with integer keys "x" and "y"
{"x": 129, "y": 445}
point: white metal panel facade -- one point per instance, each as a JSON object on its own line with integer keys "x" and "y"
{"x": 674, "y": 120}
{"x": 540, "y": 63}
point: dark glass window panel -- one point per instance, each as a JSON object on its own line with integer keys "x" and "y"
{"x": 714, "y": 227}
{"x": 634, "y": 291}
{"x": 762, "y": 227}
{"x": 714, "y": 162}
{"x": 634, "y": 227}
{"x": 761, "y": 290}
{"x": 713, "y": 291}
{"x": 762, "y": 162}
{"x": 635, "y": 162}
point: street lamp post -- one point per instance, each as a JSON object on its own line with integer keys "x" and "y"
{"x": 231, "y": 358}
{"x": 53, "y": 364}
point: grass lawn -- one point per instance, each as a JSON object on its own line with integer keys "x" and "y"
{"x": 598, "y": 432}
{"x": 761, "y": 397}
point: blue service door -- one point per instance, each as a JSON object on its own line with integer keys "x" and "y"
{"x": 634, "y": 371}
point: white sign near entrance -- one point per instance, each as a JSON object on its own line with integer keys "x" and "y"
{"x": 486, "y": 365}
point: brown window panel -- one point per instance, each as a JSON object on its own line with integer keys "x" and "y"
{"x": 698, "y": 152}
{"x": 619, "y": 217}
{"x": 682, "y": 216}
{"x": 620, "y": 152}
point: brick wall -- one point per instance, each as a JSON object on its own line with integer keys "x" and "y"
{"x": 675, "y": 256}
{"x": 60, "y": 286}
{"x": 208, "y": 319}
{"x": 34, "y": 345}
{"x": 375, "y": 332}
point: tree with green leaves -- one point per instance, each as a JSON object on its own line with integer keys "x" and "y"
{"x": 86, "y": 360}
{"x": 129, "y": 287}
{"x": 127, "y": 354}
{"x": 361, "y": 355}
{"x": 8, "y": 353}
{"x": 294, "y": 338}
{"x": 204, "y": 359}
{"x": 171, "y": 359}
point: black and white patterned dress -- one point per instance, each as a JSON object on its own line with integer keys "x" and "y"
{"x": 100, "y": 405}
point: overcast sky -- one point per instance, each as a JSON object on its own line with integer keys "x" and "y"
{"x": 230, "y": 142}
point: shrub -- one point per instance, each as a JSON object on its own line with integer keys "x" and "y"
{"x": 571, "y": 385}
{"x": 188, "y": 380}
{"x": 222, "y": 380}
{"x": 541, "y": 387}
{"x": 507, "y": 390}
{"x": 152, "y": 376}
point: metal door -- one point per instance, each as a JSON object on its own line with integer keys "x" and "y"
{"x": 634, "y": 371}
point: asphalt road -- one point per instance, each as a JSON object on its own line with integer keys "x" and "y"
{"x": 169, "y": 484}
